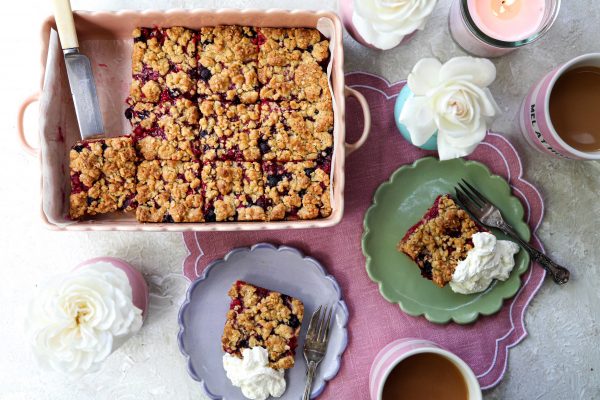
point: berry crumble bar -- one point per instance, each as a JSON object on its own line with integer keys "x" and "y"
{"x": 295, "y": 130}
{"x": 440, "y": 240}
{"x": 169, "y": 191}
{"x": 227, "y": 64}
{"x": 260, "y": 317}
{"x": 229, "y": 123}
{"x": 296, "y": 190}
{"x": 164, "y": 64}
{"x": 102, "y": 176}
{"x": 233, "y": 191}
{"x": 229, "y": 131}
{"x": 169, "y": 131}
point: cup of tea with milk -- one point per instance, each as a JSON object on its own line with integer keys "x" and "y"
{"x": 561, "y": 114}
{"x": 406, "y": 369}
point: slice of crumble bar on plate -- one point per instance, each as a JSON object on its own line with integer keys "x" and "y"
{"x": 265, "y": 318}
{"x": 440, "y": 240}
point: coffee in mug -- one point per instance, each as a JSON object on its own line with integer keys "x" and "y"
{"x": 413, "y": 378}
{"x": 561, "y": 114}
{"x": 575, "y": 108}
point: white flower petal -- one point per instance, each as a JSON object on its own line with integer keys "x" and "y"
{"x": 416, "y": 115}
{"x": 424, "y": 76}
{"x": 479, "y": 71}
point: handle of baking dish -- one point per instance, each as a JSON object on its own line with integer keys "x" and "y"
{"x": 21, "y": 131}
{"x": 352, "y": 147}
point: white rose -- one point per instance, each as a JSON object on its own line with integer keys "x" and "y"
{"x": 384, "y": 23}
{"x": 454, "y": 100}
{"x": 77, "y": 319}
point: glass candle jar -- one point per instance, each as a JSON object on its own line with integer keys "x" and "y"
{"x": 492, "y": 28}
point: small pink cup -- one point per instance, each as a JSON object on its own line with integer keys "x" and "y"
{"x": 534, "y": 116}
{"x": 139, "y": 287}
{"x": 399, "y": 350}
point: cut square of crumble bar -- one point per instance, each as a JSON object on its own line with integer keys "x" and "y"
{"x": 168, "y": 131}
{"x": 295, "y": 130}
{"x": 296, "y": 190}
{"x": 164, "y": 64}
{"x": 260, "y": 317}
{"x": 292, "y": 64}
{"x": 233, "y": 191}
{"x": 227, "y": 64}
{"x": 169, "y": 191}
{"x": 440, "y": 240}
{"x": 229, "y": 131}
{"x": 102, "y": 176}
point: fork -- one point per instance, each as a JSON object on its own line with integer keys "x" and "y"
{"x": 488, "y": 214}
{"x": 315, "y": 345}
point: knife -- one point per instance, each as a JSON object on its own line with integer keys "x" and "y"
{"x": 79, "y": 71}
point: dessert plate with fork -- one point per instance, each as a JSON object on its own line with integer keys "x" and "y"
{"x": 283, "y": 269}
{"x": 399, "y": 203}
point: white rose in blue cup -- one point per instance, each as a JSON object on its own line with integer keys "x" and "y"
{"x": 452, "y": 100}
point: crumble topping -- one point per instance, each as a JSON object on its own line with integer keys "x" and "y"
{"x": 223, "y": 104}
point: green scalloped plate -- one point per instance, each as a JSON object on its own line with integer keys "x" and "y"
{"x": 398, "y": 204}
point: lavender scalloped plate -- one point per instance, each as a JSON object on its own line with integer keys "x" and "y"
{"x": 283, "y": 269}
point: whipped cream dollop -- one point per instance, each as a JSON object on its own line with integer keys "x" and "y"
{"x": 489, "y": 259}
{"x": 253, "y": 375}
{"x": 77, "y": 319}
{"x": 384, "y": 23}
{"x": 453, "y": 100}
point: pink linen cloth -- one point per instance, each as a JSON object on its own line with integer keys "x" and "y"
{"x": 373, "y": 321}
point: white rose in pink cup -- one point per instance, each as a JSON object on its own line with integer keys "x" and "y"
{"x": 384, "y": 24}
{"x": 452, "y": 100}
{"x": 76, "y": 320}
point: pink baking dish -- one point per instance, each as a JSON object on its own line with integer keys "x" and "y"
{"x": 109, "y": 34}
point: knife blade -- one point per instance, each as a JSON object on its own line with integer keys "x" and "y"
{"x": 79, "y": 72}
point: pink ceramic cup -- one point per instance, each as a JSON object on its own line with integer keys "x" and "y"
{"x": 398, "y": 350}
{"x": 534, "y": 116}
{"x": 139, "y": 288}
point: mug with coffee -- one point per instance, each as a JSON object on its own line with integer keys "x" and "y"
{"x": 561, "y": 114}
{"x": 406, "y": 368}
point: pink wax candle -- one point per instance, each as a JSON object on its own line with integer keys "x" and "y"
{"x": 491, "y": 28}
{"x": 508, "y": 20}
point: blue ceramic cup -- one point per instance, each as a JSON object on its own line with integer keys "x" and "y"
{"x": 404, "y": 95}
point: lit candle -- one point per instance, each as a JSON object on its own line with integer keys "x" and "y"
{"x": 491, "y": 28}
{"x": 508, "y": 20}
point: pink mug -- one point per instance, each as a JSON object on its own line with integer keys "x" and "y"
{"x": 399, "y": 350}
{"x": 534, "y": 116}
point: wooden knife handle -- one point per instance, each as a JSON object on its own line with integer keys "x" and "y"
{"x": 65, "y": 24}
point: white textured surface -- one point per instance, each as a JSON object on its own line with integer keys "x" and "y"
{"x": 559, "y": 360}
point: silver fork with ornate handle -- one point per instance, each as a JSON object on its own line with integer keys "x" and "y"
{"x": 315, "y": 345}
{"x": 488, "y": 214}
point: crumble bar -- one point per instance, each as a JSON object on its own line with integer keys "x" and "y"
{"x": 169, "y": 191}
{"x": 168, "y": 131}
{"x": 164, "y": 64}
{"x": 229, "y": 131}
{"x": 296, "y": 190}
{"x": 440, "y": 240}
{"x": 260, "y": 317}
{"x": 233, "y": 191}
{"x": 102, "y": 176}
{"x": 295, "y": 130}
